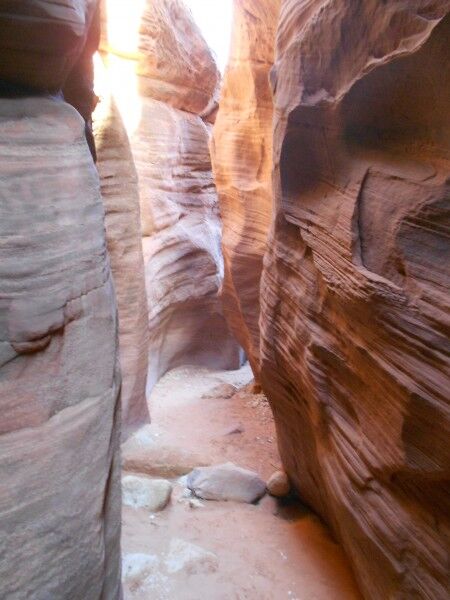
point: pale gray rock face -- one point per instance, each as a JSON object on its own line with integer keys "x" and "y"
{"x": 59, "y": 377}
{"x": 226, "y": 482}
{"x": 142, "y": 492}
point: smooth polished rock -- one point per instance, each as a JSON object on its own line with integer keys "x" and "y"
{"x": 226, "y": 482}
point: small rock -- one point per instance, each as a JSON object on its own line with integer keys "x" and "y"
{"x": 137, "y": 567}
{"x": 278, "y": 485}
{"x": 226, "y": 482}
{"x": 194, "y": 503}
{"x": 140, "y": 492}
{"x": 190, "y": 558}
{"x": 223, "y": 391}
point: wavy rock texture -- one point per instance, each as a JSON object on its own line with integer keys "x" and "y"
{"x": 355, "y": 286}
{"x": 182, "y": 233}
{"x": 40, "y": 40}
{"x": 59, "y": 378}
{"x": 242, "y": 163}
{"x": 119, "y": 188}
{"x": 173, "y": 62}
{"x": 179, "y": 206}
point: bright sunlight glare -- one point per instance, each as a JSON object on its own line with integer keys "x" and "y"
{"x": 214, "y": 17}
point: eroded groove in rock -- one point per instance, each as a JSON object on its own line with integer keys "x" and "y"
{"x": 120, "y": 195}
{"x": 242, "y": 161}
{"x": 355, "y": 284}
{"x": 59, "y": 378}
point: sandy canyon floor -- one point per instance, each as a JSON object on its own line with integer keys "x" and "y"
{"x": 197, "y": 549}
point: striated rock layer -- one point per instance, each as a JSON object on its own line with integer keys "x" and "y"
{"x": 242, "y": 161}
{"x": 355, "y": 352}
{"x": 177, "y": 79}
{"x": 59, "y": 377}
{"x": 120, "y": 195}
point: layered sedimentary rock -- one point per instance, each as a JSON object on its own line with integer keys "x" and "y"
{"x": 119, "y": 188}
{"x": 59, "y": 378}
{"x": 242, "y": 162}
{"x": 177, "y": 80}
{"x": 355, "y": 353}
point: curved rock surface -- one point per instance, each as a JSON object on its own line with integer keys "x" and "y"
{"x": 179, "y": 207}
{"x": 242, "y": 163}
{"x": 355, "y": 286}
{"x": 172, "y": 60}
{"x": 40, "y": 40}
{"x": 59, "y": 378}
{"x": 182, "y": 233}
{"x": 119, "y": 188}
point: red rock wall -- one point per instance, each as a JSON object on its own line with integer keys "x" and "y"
{"x": 242, "y": 163}
{"x": 354, "y": 295}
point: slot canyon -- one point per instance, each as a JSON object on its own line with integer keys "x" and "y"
{"x": 224, "y": 299}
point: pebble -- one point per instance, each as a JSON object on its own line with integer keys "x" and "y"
{"x": 278, "y": 484}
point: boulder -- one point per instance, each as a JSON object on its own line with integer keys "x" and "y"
{"x": 226, "y": 482}
{"x": 142, "y": 492}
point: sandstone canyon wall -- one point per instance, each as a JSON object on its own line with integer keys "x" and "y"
{"x": 177, "y": 85}
{"x": 355, "y": 353}
{"x": 242, "y": 161}
{"x": 59, "y": 377}
{"x": 120, "y": 193}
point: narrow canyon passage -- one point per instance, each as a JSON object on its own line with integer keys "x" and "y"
{"x": 191, "y": 548}
{"x": 224, "y": 299}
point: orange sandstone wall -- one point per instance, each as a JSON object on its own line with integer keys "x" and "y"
{"x": 242, "y": 161}
{"x": 354, "y": 295}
